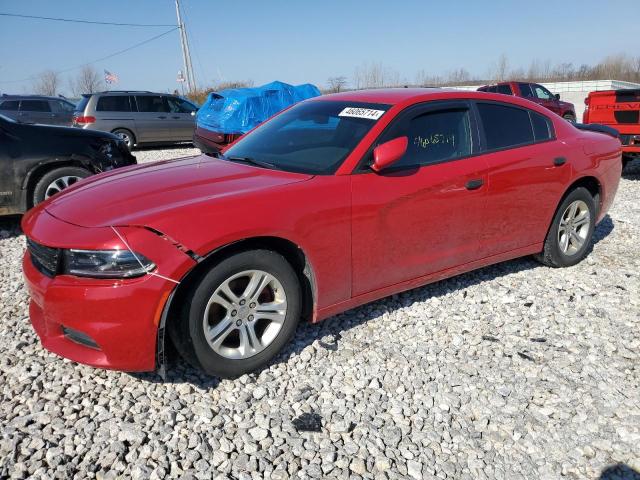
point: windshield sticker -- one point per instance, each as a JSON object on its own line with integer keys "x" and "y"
{"x": 358, "y": 112}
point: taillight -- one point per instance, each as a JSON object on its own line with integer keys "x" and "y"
{"x": 84, "y": 120}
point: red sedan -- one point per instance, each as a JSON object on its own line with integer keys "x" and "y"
{"x": 335, "y": 202}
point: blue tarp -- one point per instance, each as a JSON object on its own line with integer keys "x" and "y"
{"x": 238, "y": 110}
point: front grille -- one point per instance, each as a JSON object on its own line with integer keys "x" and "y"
{"x": 45, "y": 259}
{"x": 624, "y": 139}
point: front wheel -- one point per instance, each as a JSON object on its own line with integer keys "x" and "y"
{"x": 240, "y": 314}
{"x": 569, "y": 237}
{"x": 56, "y": 180}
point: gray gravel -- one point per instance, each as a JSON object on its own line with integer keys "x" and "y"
{"x": 514, "y": 371}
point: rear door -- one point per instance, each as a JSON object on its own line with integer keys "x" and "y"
{"x": 35, "y": 111}
{"x": 183, "y": 119}
{"x": 524, "y": 180}
{"x": 154, "y": 124}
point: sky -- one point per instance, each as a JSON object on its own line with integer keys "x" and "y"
{"x": 306, "y": 41}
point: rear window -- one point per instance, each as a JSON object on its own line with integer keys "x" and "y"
{"x": 504, "y": 89}
{"x": 82, "y": 104}
{"x": 542, "y": 127}
{"x": 114, "y": 103}
{"x": 9, "y": 105}
{"x": 34, "y": 106}
{"x": 505, "y": 126}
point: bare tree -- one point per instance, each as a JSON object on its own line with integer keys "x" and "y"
{"x": 87, "y": 81}
{"x": 501, "y": 69}
{"x": 47, "y": 83}
{"x": 375, "y": 75}
{"x": 336, "y": 84}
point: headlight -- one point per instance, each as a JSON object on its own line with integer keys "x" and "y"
{"x": 106, "y": 263}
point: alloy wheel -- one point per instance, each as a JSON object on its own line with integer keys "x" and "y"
{"x": 574, "y": 227}
{"x": 60, "y": 184}
{"x": 245, "y": 314}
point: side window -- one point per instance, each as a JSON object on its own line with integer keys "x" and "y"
{"x": 504, "y": 89}
{"x": 34, "y": 106}
{"x": 435, "y": 136}
{"x": 542, "y": 127}
{"x": 541, "y": 92}
{"x": 525, "y": 90}
{"x": 9, "y": 105}
{"x": 152, "y": 104}
{"x": 62, "y": 106}
{"x": 178, "y": 105}
{"x": 505, "y": 126}
{"x": 113, "y": 103}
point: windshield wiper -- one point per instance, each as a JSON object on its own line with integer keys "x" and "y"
{"x": 251, "y": 161}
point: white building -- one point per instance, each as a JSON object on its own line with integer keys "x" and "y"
{"x": 575, "y": 92}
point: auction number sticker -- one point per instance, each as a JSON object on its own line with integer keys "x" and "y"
{"x": 358, "y": 112}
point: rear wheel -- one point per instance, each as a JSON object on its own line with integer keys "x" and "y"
{"x": 56, "y": 180}
{"x": 240, "y": 314}
{"x": 127, "y": 136}
{"x": 569, "y": 238}
{"x": 569, "y": 117}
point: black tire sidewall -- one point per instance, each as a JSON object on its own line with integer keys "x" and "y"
{"x": 265, "y": 260}
{"x": 557, "y": 256}
{"x": 39, "y": 190}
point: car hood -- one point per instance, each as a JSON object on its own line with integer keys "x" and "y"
{"x": 138, "y": 195}
{"x": 566, "y": 104}
{"x": 60, "y": 131}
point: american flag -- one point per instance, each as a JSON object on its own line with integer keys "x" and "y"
{"x": 110, "y": 77}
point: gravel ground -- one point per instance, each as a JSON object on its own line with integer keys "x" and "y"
{"x": 510, "y": 372}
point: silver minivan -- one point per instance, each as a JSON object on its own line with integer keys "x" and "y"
{"x": 37, "y": 109}
{"x": 138, "y": 117}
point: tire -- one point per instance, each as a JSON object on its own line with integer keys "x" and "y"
{"x": 554, "y": 253}
{"x": 57, "y": 180}
{"x": 231, "y": 350}
{"x": 126, "y": 135}
{"x": 569, "y": 117}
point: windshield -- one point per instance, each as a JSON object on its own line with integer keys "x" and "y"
{"x": 311, "y": 137}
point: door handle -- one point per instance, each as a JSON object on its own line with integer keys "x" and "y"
{"x": 559, "y": 161}
{"x": 162, "y": 116}
{"x": 176, "y": 118}
{"x": 474, "y": 184}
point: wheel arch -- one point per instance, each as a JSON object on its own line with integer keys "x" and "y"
{"x": 292, "y": 252}
{"x": 38, "y": 171}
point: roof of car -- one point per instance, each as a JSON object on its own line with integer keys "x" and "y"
{"x": 389, "y": 96}
{"x": 30, "y": 97}
{"x": 394, "y": 96}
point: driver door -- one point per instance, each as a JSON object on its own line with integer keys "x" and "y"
{"x": 425, "y": 213}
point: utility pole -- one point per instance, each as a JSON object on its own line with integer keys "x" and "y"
{"x": 186, "y": 55}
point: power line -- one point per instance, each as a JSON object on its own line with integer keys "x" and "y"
{"x": 99, "y": 59}
{"x": 74, "y": 20}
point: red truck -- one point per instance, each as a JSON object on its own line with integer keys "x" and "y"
{"x": 536, "y": 93}
{"x": 619, "y": 109}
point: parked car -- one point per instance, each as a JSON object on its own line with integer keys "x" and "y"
{"x": 619, "y": 109}
{"x": 536, "y": 93}
{"x": 335, "y": 202}
{"x": 38, "y": 161}
{"x": 37, "y": 109}
{"x": 139, "y": 118}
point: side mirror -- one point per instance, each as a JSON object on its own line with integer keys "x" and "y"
{"x": 389, "y": 153}
{"x": 557, "y": 95}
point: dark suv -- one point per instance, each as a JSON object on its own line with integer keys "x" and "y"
{"x": 37, "y": 109}
{"x": 38, "y": 161}
{"x": 536, "y": 93}
{"x": 138, "y": 117}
